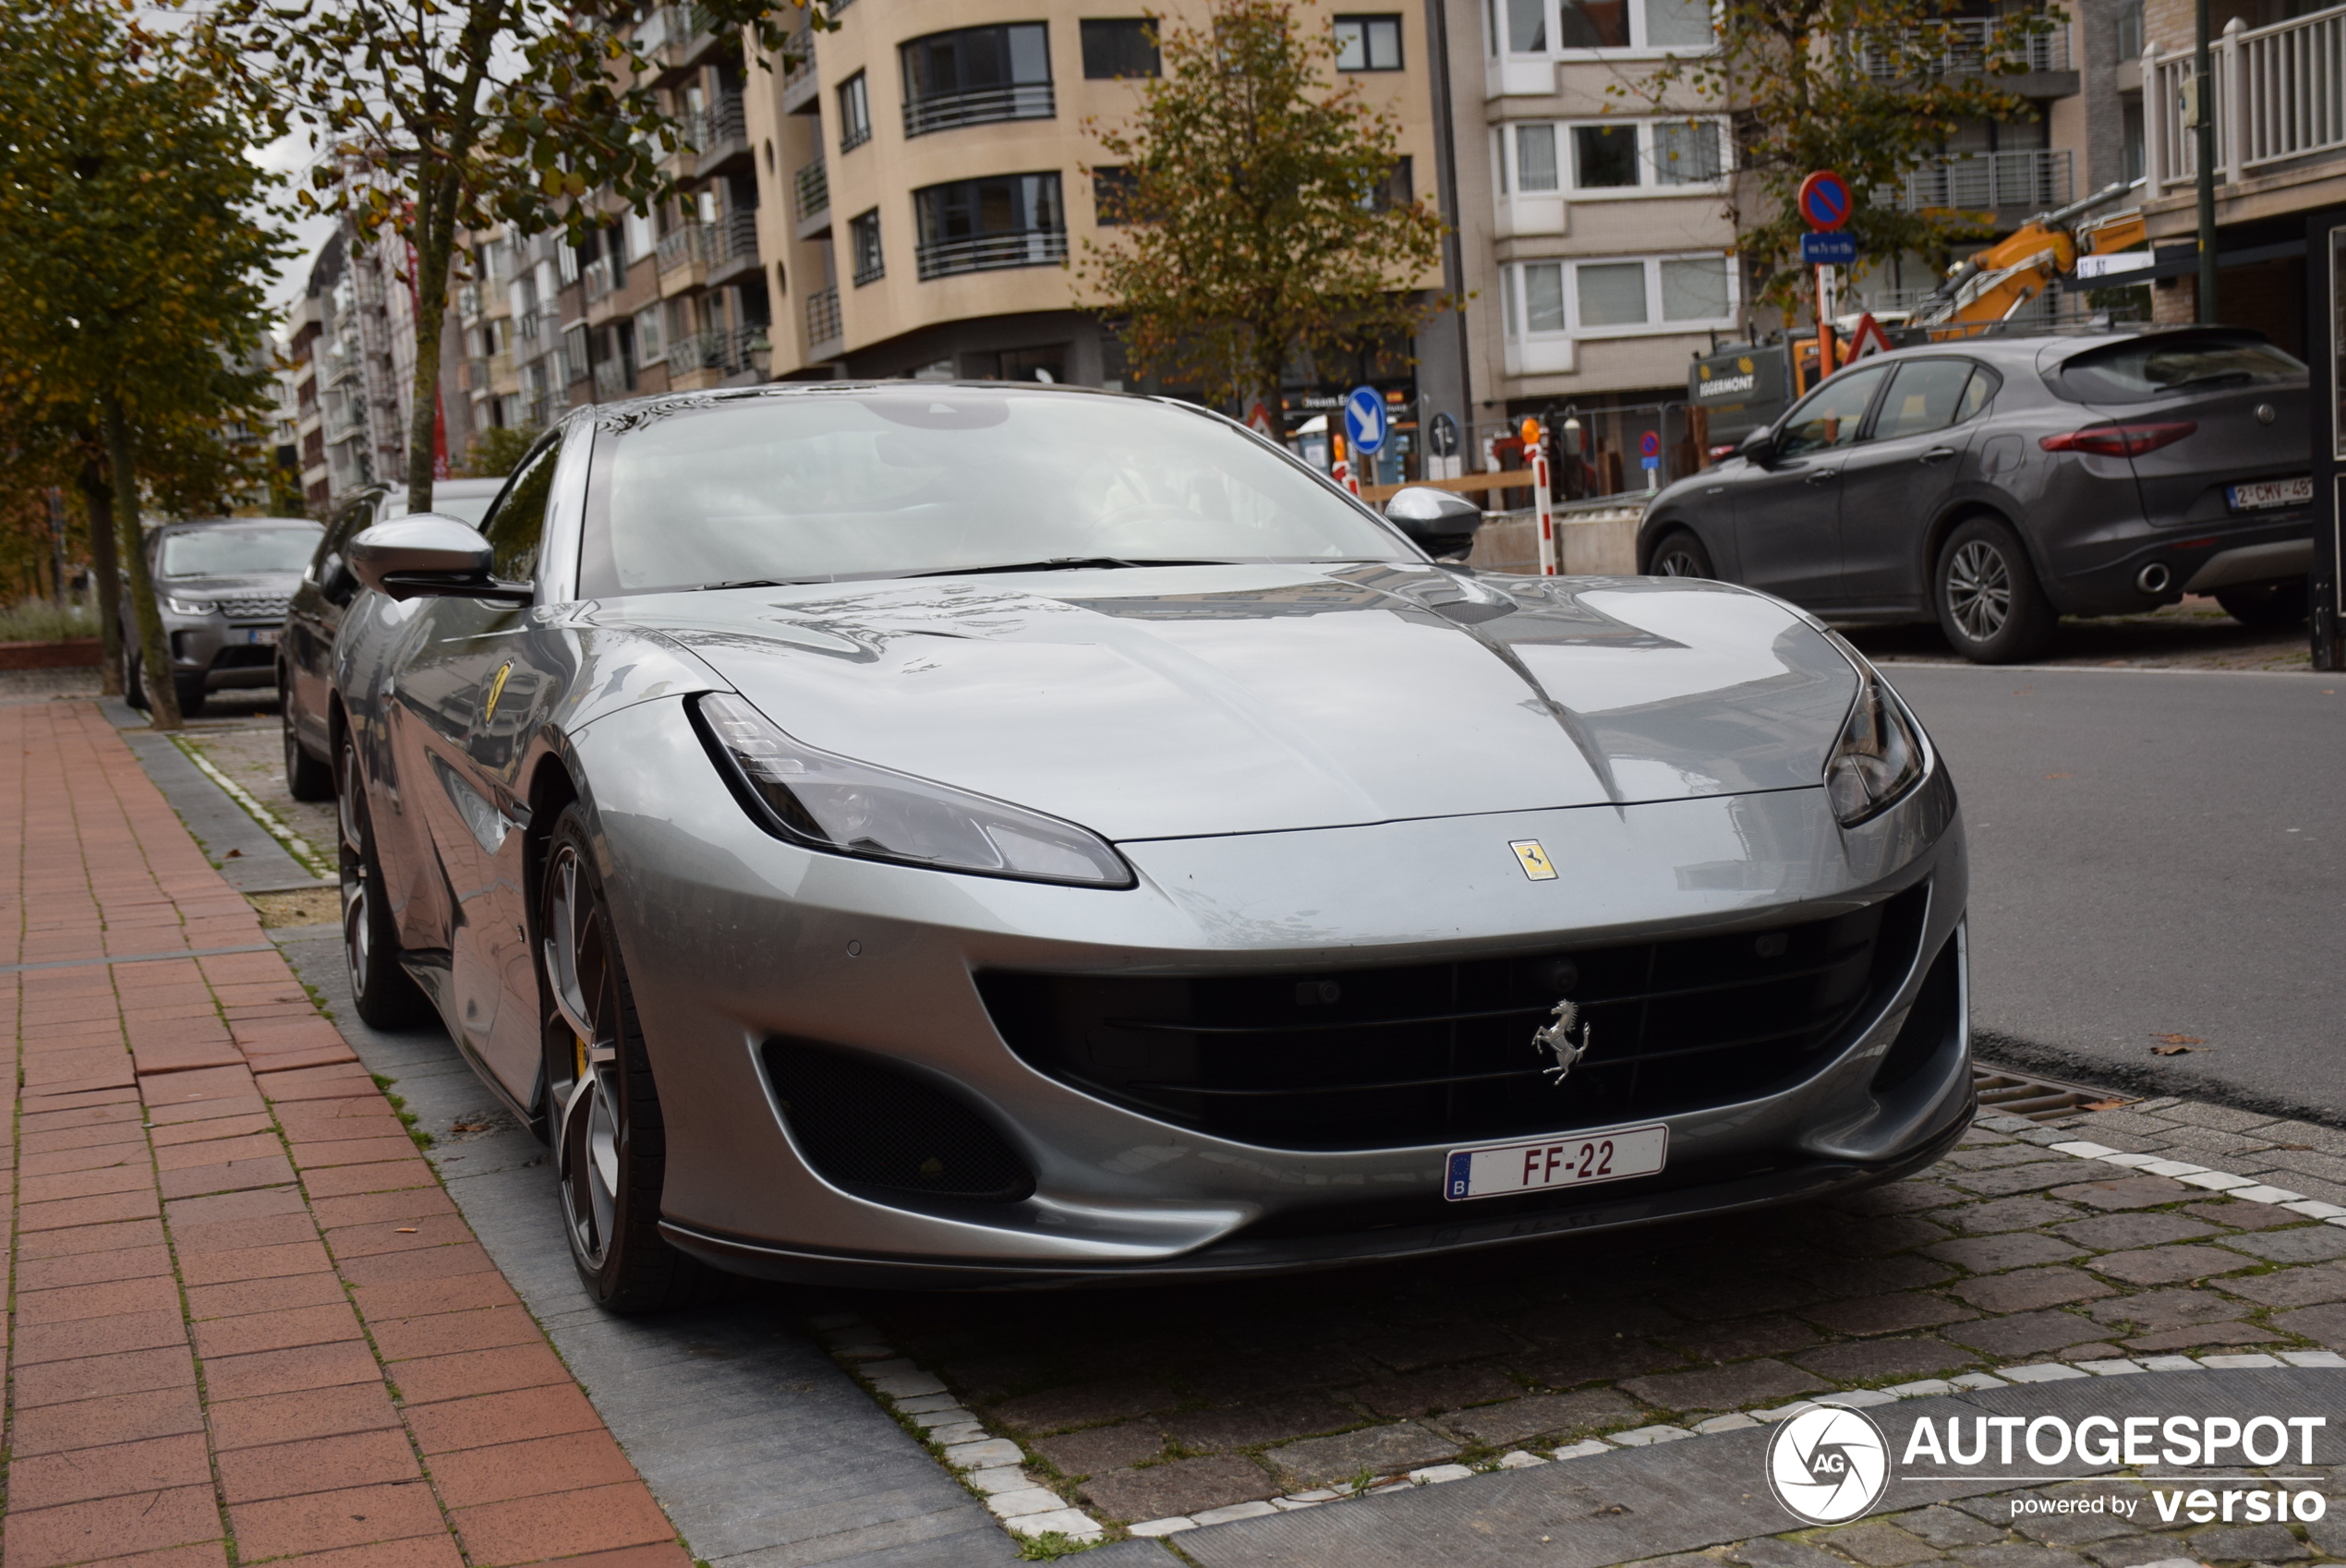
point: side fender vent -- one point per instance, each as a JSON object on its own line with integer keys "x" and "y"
{"x": 863, "y": 1125}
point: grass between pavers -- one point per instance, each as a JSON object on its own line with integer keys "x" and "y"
{"x": 1472, "y": 1455}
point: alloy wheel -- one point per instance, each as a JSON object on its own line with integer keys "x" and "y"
{"x": 357, "y": 934}
{"x": 1677, "y": 561}
{"x": 585, "y": 986}
{"x": 1979, "y": 589}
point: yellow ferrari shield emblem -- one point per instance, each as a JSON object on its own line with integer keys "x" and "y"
{"x": 1536, "y": 865}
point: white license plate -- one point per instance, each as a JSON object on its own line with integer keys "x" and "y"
{"x": 2268, "y": 492}
{"x": 1580, "y": 1159}
{"x": 262, "y": 636}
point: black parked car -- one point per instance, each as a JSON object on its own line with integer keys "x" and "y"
{"x": 305, "y": 655}
{"x": 1993, "y": 485}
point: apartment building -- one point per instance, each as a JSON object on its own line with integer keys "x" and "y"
{"x": 923, "y": 187}
{"x": 351, "y": 342}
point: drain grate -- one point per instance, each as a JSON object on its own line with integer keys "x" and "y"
{"x": 2041, "y": 1099}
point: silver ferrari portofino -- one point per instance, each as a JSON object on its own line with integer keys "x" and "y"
{"x": 968, "y": 834}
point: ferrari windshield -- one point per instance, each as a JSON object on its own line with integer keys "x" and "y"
{"x": 906, "y": 480}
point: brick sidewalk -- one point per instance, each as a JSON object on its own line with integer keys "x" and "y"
{"x": 243, "y": 1315}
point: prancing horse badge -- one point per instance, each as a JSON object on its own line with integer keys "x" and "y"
{"x": 1536, "y": 865}
{"x": 1557, "y": 1038}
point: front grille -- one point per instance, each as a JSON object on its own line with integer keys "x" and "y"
{"x": 870, "y": 1127}
{"x": 254, "y": 609}
{"x": 1367, "y": 1058}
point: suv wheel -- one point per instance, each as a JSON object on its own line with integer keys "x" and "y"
{"x": 2267, "y": 606}
{"x": 1986, "y": 597}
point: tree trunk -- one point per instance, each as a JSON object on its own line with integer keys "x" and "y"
{"x": 163, "y": 697}
{"x": 438, "y": 239}
{"x": 98, "y": 495}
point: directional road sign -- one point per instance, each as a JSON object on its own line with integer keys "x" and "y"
{"x": 1824, "y": 200}
{"x": 1364, "y": 423}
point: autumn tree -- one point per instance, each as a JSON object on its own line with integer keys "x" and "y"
{"x": 1871, "y": 88}
{"x": 433, "y": 118}
{"x": 134, "y": 247}
{"x": 1250, "y": 188}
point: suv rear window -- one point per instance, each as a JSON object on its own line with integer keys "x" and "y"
{"x": 2139, "y": 369}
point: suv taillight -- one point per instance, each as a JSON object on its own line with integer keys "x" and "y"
{"x": 2120, "y": 440}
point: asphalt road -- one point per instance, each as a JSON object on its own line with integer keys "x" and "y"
{"x": 2155, "y": 852}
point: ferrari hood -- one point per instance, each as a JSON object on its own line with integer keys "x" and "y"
{"x": 1173, "y": 702}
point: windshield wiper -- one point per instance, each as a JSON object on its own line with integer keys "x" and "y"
{"x": 1061, "y": 563}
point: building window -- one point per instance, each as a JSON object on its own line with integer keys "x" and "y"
{"x": 1123, "y": 46}
{"x": 977, "y": 75}
{"x": 1619, "y": 298}
{"x": 854, "y": 113}
{"x": 1604, "y": 157}
{"x": 1112, "y": 191}
{"x": 980, "y": 225}
{"x": 1368, "y": 43}
{"x": 1582, "y": 25}
{"x": 1398, "y": 188}
{"x": 864, "y": 248}
{"x": 1614, "y": 155}
{"x": 652, "y": 348}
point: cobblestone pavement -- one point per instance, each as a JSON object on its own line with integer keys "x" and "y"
{"x": 1170, "y": 1404}
{"x": 2093, "y": 1524}
{"x": 2194, "y": 635}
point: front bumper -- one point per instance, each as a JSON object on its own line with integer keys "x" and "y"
{"x": 734, "y": 940}
{"x": 223, "y": 652}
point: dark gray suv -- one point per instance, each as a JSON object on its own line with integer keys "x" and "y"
{"x": 1995, "y": 485}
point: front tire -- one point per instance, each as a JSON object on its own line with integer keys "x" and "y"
{"x": 1986, "y": 595}
{"x": 2269, "y": 607}
{"x": 1680, "y": 554}
{"x": 602, "y": 1104}
{"x": 383, "y": 993}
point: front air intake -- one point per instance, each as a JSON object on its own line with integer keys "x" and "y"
{"x": 865, "y": 1125}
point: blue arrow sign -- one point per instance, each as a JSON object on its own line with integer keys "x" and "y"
{"x": 1828, "y": 250}
{"x": 1364, "y": 423}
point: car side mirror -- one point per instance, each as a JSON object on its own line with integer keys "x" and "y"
{"x": 1760, "y": 446}
{"x": 1440, "y": 523}
{"x": 429, "y": 555}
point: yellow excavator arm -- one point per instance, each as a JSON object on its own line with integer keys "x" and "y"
{"x": 1996, "y": 283}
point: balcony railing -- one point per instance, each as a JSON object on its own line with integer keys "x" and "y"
{"x": 985, "y": 253}
{"x": 1967, "y": 46}
{"x": 718, "y": 125}
{"x": 726, "y": 349}
{"x": 734, "y": 237}
{"x": 599, "y": 276}
{"x": 2038, "y": 180}
{"x": 1030, "y": 101}
{"x": 2278, "y": 94}
{"x": 611, "y": 381}
{"x": 822, "y": 316}
{"x": 683, "y": 246}
{"x": 476, "y": 373}
{"x": 814, "y": 183}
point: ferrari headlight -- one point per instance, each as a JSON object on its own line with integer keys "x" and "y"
{"x": 854, "y": 808}
{"x": 1879, "y": 757}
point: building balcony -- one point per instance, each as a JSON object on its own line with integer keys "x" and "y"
{"x": 801, "y": 85}
{"x": 2278, "y": 98}
{"x": 825, "y": 334}
{"x": 599, "y": 278}
{"x": 683, "y": 246}
{"x": 716, "y": 133}
{"x": 2036, "y": 180}
{"x": 813, "y": 185}
{"x": 611, "y": 381}
{"x": 1032, "y": 101}
{"x": 1967, "y": 46}
{"x": 987, "y": 253}
{"x": 732, "y": 244}
{"x": 725, "y": 352}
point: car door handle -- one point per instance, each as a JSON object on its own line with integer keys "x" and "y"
{"x": 1824, "y": 476}
{"x": 1938, "y": 454}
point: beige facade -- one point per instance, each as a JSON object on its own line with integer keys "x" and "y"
{"x": 1594, "y": 227}
{"x": 929, "y": 223}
